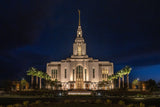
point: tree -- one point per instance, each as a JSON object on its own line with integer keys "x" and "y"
{"x": 37, "y": 75}
{"x": 47, "y": 79}
{"x": 52, "y": 83}
{"x": 7, "y": 85}
{"x": 120, "y": 74}
{"x": 57, "y": 84}
{"x": 31, "y": 72}
{"x": 127, "y": 70}
{"x": 40, "y": 74}
{"x": 158, "y": 84}
{"x": 151, "y": 85}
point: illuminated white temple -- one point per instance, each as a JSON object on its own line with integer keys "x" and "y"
{"x": 80, "y": 71}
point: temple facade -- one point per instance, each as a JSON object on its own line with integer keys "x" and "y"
{"x": 80, "y": 71}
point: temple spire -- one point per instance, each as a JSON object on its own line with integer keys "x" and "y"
{"x": 79, "y": 17}
{"x": 79, "y": 30}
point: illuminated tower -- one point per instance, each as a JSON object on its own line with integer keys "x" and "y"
{"x": 79, "y": 46}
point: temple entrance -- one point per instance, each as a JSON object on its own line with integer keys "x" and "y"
{"x": 87, "y": 86}
{"x": 71, "y": 86}
{"x": 79, "y": 77}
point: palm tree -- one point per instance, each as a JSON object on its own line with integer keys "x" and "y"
{"x": 36, "y": 74}
{"x": 120, "y": 75}
{"x": 47, "y": 79}
{"x": 127, "y": 71}
{"x": 57, "y": 84}
{"x": 103, "y": 84}
{"x": 52, "y": 83}
{"x": 31, "y": 72}
{"x": 40, "y": 74}
{"x": 123, "y": 73}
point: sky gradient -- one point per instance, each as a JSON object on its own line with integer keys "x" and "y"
{"x": 125, "y": 32}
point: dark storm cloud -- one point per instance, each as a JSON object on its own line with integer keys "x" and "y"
{"x": 126, "y": 31}
{"x": 22, "y": 21}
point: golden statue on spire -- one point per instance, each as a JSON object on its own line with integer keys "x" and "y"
{"x": 79, "y": 17}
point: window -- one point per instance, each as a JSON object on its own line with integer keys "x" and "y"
{"x": 56, "y": 74}
{"x": 65, "y": 73}
{"x": 79, "y": 50}
{"x": 85, "y": 74}
{"x": 93, "y": 73}
{"x": 73, "y": 74}
{"x": 104, "y": 74}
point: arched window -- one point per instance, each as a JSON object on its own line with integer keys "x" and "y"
{"x": 85, "y": 74}
{"x": 65, "y": 72}
{"x": 93, "y": 73}
{"x": 79, "y": 50}
{"x": 73, "y": 74}
{"x": 105, "y": 73}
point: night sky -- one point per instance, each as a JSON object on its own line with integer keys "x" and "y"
{"x": 125, "y": 32}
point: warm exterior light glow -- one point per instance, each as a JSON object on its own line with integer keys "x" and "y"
{"x": 79, "y": 50}
{"x": 79, "y": 93}
{"x": 80, "y": 71}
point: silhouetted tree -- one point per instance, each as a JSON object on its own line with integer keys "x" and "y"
{"x": 7, "y": 85}
{"x": 151, "y": 85}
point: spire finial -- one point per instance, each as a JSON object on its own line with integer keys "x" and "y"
{"x": 79, "y": 17}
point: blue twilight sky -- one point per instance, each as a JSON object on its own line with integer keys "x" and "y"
{"x": 125, "y": 32}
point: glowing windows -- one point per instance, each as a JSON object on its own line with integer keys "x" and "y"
{"x": 93, "y": 73}
{"x": 54, "y": 73}
{"x": 79, "y": 50}
{"x": 85, "y": 74}
{"x": 65, "y": 73}
{"x": 73, "y": 74}
{"x": 104, "y": 73}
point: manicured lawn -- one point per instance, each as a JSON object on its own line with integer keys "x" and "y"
{"x": 78, "y": 101}
{"x": 78, "y": 105}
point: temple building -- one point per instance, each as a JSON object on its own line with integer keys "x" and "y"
{"x": 80, "y": 71}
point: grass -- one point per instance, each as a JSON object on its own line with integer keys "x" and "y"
{"x": 77, "y": 101}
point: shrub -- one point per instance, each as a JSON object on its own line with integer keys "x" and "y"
{"x": 25, "y": 103}
{"x": 32, "y": 104}
{"x": 37, "y": 102}
{"x": 108, "y": 101}
{"x": 17, "y": 105}
{"x": 139, "y": 95}
{"x": 141, "y": 105}
{"x": 9, "y": 106}
{"x": 66, "y": 101}
{"x": 121, "y": 102}
{"x": 89, "y": 101}
{"x": 98, "y": 101}
{"x": 76, "y": 101}
{"x": 152, "y": 106}
{"x": 130, "y": 105}
{"x": 46, "y": 102}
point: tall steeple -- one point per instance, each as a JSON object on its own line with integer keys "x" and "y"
{"x": 79, "y": 30}
{"x": 79, "y": 46}
{"x": 79, "y": 17}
